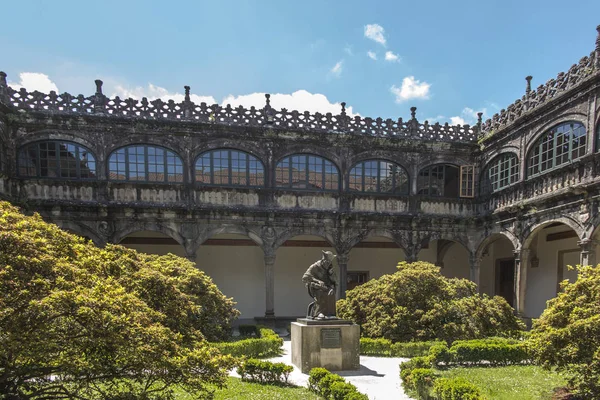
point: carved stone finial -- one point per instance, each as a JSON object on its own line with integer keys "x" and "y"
{"x": 413, "y": 112}
{"x": 343, "y": 108}
{"x": 98, "y": 86}
{"x": 268, "y": 96}
{"x": 528, "y": 79}
{"x": 479, "y": 118}
{"x": 3, "y": 78}
{"x": 187, "y": 93}
{"x": 598, "y": 39}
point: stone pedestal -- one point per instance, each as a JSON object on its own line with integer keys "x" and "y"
{"x": 330, "y": 344}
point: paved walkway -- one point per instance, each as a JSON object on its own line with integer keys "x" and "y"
{"x": 378, "y": 377}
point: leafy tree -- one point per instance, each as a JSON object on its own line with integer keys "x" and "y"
{"x": 567, "y": 334}
{"x": 81, "y": 322}
{"x": 418, "y": 303}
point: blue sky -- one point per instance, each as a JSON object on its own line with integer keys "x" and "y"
{"x": 452, "y": 57}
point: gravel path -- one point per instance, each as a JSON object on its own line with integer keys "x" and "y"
{"x": 378, "y": 377}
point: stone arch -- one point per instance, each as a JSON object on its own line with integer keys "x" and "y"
{"x": 228, "y": 230}
{"x": 51, "y": 135}
{"x": 300, "y": 231}
{"x": 252, "y": 148}
{"x": 169, "y": 142}
{"x": 322, "y": 152}
{"x": 530, "y": 231}
{"x": 450, "y": 252}
{"x": 82, "y": 230}
{"x": 535, "y": 133}
{"x": 166, "y": 230}
{"x": 492, "y": 237}
{"x": 388, "y": 156}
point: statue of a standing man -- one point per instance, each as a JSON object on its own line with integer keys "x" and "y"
{"x": 321, "y": 282}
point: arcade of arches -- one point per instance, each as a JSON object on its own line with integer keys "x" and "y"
{"x": 237, "y": 264}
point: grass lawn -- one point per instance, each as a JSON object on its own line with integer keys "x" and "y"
{"x": 511, "y": 383}
{"x": 236, "y": 389}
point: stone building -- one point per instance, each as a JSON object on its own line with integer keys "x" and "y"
{"x": 253, "y": 195}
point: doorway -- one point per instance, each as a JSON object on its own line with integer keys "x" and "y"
{"x": 505, "y": 279}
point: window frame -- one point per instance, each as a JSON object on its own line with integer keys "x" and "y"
{"x": 57, "y": 168}
{"x": 443, "y": 195}
{"x": 306, "y": 165}
{"x": 146, "y": 164}
{"x": 378, "y": 191}
{"x": 486, "y": 186}
{"x": 539, "y": 148}
{"x": 249, "y": 157}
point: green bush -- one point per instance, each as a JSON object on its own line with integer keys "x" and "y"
{"x": 341, "y": 390}
{"x": 567, "y": 334}
{"x": 267, "y": 345}
{"x": 119, "y": 321}
{"x": 421, "y": 380}
{"x": 314, "y": 377}
{"x": 456, "y": 389}
{"x": 407, "y": 367}
{"x": 440, "y": 354}
{"x": 476, "y": 352}
{"x": 332, "y": 386}
{"x": 385, "y": 348}
{"x": 264, "y": 371}
{"x": 418, "y": 303}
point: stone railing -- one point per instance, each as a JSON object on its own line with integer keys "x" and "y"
{"x": 267, "y": 116}
{"x": 578, "y": 73}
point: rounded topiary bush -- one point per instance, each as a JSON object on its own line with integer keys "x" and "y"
{"x": 418, "y": 303}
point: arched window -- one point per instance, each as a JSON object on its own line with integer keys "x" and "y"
{"x": 558, "y": 146}
{"x": 306, "y": 171}
{"x": 229, "y": 168}
{"x": 499, "y": 173}
{"x": 378, "y": 176}
{"x": 56, "y": 159}
{"x": 145, "y": 163}
{"x": 439, "y": 180}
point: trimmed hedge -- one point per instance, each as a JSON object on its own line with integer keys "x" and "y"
{"x": 478, "y": 352}
{"x": 249, "y": 330}
{"x": 267, "y": 345}
{"x": 332, "y": 386}
{"x": 456, "y": 389}
{"x": 264, "y": 371}
{"x": 385, "y": 348}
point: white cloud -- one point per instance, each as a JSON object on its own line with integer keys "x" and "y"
{"x": 389, "y": 56}
{"x": 375, "y": 32}
{"x": 411, "y": 89}
{"x": 348, "y": 50}
{"x": 372, "y": 55}
{"x": 337, "y": 69}
{"x": 457, "y": 121}
{"x": 152, "y": 92}
{"x": 34, "y": 81}
{"x": 300, "y": 100}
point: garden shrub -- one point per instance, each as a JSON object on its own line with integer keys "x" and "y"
{"x": 332, "y": 386}
{"x": 456, "y": 389}
{"x": 407, "y": 367}
{"x": 267, "y": 345}
{"x": 567, "y": 334}
{"x": 421, "y": 381}
{"x": 440, "y": 354}
{"x": 119, "y": 321}
{"x": 264, "y": 371}
{"x": 385, "y": 348}
{"x": 476, "y": 352}
{"x": 418, "y": 303}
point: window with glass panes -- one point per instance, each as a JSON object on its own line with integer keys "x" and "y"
{"x": 227, "y": 167}
{"x": 499, "y": 173}
{"x": 145, "y": 164}
{"x": 378, "y": 176}
{"x": 439, "y": 180}
{"x": 307, "y": 171}
{"x": 56, "y": 159}
{"x": 560, "y": 145}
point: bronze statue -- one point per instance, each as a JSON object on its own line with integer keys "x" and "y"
{"x": 321, "y": 282}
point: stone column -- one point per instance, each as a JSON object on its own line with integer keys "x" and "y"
{"x": 342, "y": 260}
{"x": 270, "y": 285}
{"x": 588, "y": 252}
{"x": 521, "y": 265}
{"x": 191, "y": 257}
{"x": 474, "y": 270}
